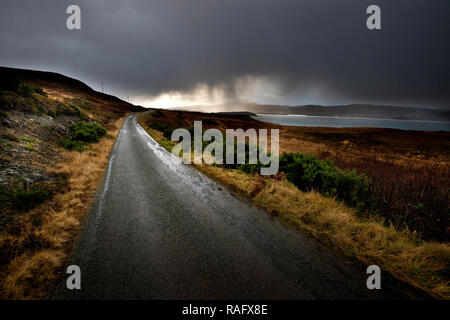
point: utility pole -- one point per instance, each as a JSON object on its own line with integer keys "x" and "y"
{"x": 102, "y": 88}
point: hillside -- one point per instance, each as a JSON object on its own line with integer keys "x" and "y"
{"x": 36, "y": 111}
{"x": 354, "y": 110}
{"x": 59, "y": 87}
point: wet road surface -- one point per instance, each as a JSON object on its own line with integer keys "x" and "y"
{"x": 161, "y": 230}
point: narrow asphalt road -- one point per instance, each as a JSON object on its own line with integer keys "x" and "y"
{"x": 161, "y": 230}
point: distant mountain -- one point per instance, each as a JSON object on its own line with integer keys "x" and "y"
{"x": 353, "y": 110}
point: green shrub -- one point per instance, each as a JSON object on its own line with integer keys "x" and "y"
{"x": 62, "y": 109}
{"x": 87, "y": 131}
{"x": 250, "y": 168}
{"x": 28, "y": 199}
{"x": 23, "y": 199}
{"x": 82, "y": 134}
{"x": 29, "y": 147}
{"x": 72, "y": 144}
{"x": 39, "y": 91}
{"x": 29, "y": 140}
{"x": 308, "y": 173}
{"x": 75, "y": 108}
{"x": 26, "y": 91}
{"x": 82, "y": 103}
{"x": 164, "y": 128}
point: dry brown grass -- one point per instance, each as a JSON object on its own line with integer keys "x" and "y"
{"x": 38, "y": 253}
{"x": 424, "y": 265}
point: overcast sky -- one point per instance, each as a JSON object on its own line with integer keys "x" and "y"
{"x": 208, "y": 51}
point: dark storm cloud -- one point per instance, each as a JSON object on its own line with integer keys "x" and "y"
{"x": 148, "y": 47}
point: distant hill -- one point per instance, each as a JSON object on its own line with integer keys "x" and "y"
{"x": 353, "y": 110}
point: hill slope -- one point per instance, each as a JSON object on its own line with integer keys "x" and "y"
{"x": 59, "y": 87}
{"x": 36, "y": 110}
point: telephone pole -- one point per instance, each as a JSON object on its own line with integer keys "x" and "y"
{"x": 102, "y": 88}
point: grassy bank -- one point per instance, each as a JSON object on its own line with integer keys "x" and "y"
{"x": 368, "y": 239}
{"x": 36, "y": 252}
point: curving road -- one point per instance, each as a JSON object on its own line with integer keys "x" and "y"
{"x": 161, "y": 230}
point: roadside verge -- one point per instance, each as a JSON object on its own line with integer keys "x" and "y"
{"x": 39, "y": 252}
